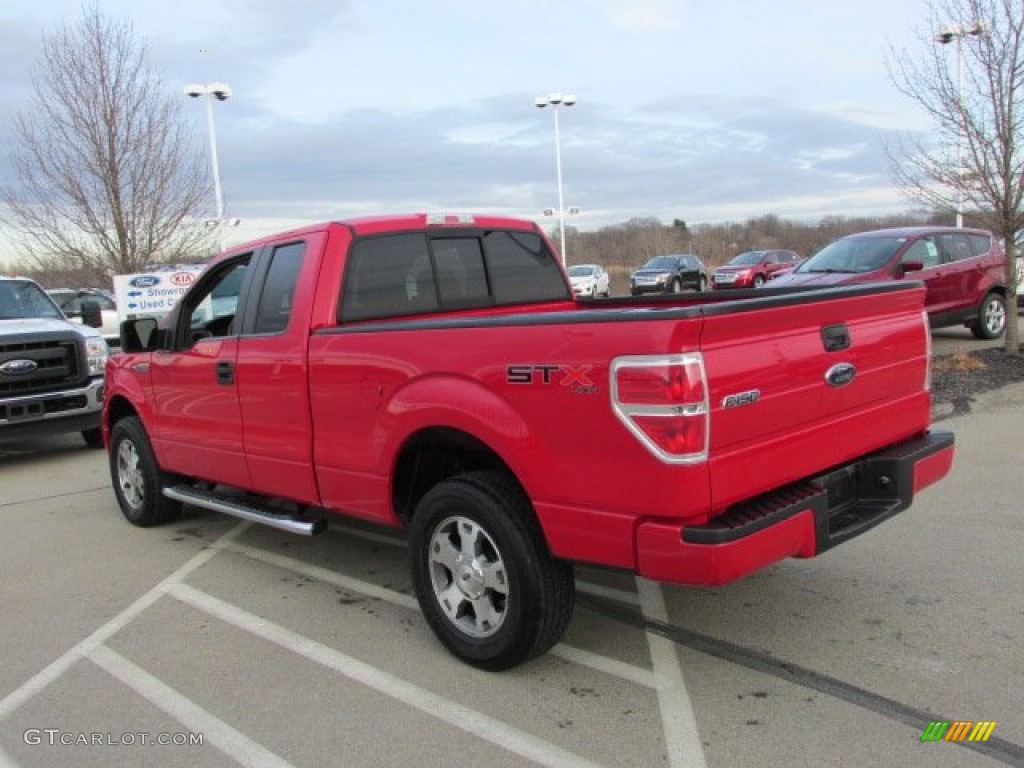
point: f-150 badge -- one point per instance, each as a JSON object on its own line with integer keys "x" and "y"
{"x": 749, "y": 397}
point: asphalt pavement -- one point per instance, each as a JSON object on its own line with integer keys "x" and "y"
{"x": 240, "y": 645}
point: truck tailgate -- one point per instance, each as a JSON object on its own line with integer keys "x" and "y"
{"x": 799, "y": 387}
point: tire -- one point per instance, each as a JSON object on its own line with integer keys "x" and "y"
{"x": 702, "y": 284}
{"x": 93, "y": 437}
{"x": 677, "y": 286}
{"x": 137, "y": 479}
{"x": 758, "y": 281}
{"x": 485, "y": 581}
{"x": 991, "y": 322}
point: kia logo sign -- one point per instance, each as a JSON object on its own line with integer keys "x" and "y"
{"x": 182, "y": 278}
{"x": 18, "y": 367}
{"x": 144, "y": 281}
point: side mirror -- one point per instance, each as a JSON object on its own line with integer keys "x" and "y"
{"x": 139, "y": 335}
{"x": 92, "y": 315}
{"x": 910, "y": 266}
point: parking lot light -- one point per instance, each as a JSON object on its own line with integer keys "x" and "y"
{"x": 556, "y": 101}
{"x": 945, "y": 37}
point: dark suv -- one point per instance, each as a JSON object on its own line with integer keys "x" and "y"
{"x": 963, "y": 271}
{"x": 669, "y": 274}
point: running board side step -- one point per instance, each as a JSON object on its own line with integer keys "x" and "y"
{"x": 209, "y": 500}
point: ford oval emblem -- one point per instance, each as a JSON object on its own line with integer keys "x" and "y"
{"x": 18, "y": 367}
{"x": 144, "y": 281}
{"x": 840, "y": 374}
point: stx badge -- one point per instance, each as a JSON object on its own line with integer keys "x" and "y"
{"x": 576, "y": 377}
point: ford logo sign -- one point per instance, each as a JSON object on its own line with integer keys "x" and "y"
{"x": 144, "y": 281}
{"x": 18, "y": 367}
{"x": 840, "y": 374}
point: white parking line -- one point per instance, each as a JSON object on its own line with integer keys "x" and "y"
{"x": 59, "y": 666}
{"x": 476, "y": 723}
{"x": 682, "y": 741}
{"x": 609, "y": 666}
{"x": 323, "y": 574}
{"x": 604, "y": 664}
{"x": 231, "y": 742}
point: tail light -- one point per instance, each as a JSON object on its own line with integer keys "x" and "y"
{"x": 663, "y": 401}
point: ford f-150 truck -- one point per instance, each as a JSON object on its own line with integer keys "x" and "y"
{"x": 51, "y": 370}
{"x": 433, "y": 373}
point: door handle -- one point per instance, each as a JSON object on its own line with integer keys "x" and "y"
{"x": 225, "y": 372}
{"x": 835, "y": 337}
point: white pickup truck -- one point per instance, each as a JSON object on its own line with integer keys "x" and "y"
{"x": 51, "y": 369}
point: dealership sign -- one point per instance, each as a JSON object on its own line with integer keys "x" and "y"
{"x": 152, "y": 294}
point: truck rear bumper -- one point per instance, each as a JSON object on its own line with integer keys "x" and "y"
{"x": 800, "y": 520}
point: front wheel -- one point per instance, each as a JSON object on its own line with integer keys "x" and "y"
{"x": 991, "y": 320}
{"x": 485, "y": 581}
{"x": 758, "y": 281}
{"x": 677, "y": 286}
{"x": 137, "y": 478}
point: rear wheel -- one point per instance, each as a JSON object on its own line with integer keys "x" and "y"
{"x": 138, "y": 480}
{"x": 991, "y": 320}
{"x": 485, "y": 581}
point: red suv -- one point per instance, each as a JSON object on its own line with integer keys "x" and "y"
{"x": 963, "y": 271}
{"x": 753, "y": 268}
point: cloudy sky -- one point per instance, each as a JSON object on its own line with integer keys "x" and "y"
{"x": 704, "y": 110}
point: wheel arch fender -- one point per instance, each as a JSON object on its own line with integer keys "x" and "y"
{"x": 460, "y": 426}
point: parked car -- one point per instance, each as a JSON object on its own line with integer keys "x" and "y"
{"x": 51, "y": 370}
{"x": 963, "y": 271}
{"x": 669, "y": 274}
{"x": 70, "y": 301}
{"x": 589, "y": 280}
{"x": 753, "y": 268}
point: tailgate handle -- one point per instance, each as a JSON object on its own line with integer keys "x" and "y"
{"x": 835, "y": 337}
{"x": 225, "y": 372}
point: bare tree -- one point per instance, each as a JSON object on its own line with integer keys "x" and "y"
{"x": 977, "y": 105}
{"x": 108, "y": 177}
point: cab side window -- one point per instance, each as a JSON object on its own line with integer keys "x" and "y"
{"x": 278, "y": 295}
{"x": 388, "y": 276}
{"x": 209, "y": 311}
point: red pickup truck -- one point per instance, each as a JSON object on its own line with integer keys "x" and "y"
{"x": 435, "y": 374}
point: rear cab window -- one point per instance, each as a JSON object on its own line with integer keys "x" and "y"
{"x": 416, "y": 272}
{"x": 278, "y": 293}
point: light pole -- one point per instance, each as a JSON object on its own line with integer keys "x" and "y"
{"x": 221, "y": 92}
{"x": 945, "y": 37}
{"x": 556, "y": 101}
